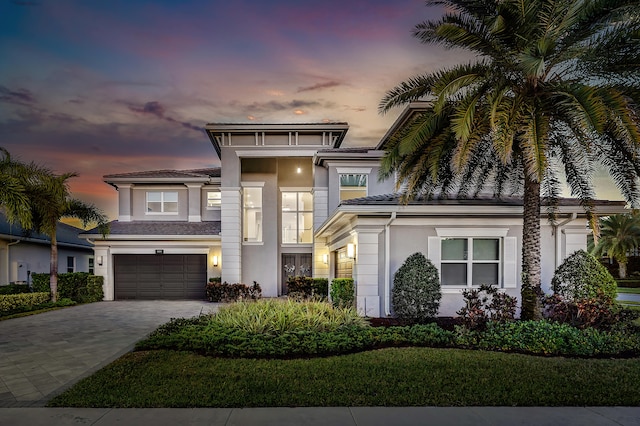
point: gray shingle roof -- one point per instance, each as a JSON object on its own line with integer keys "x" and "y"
{"x": 67, "y": 235}
{"x": 160, "y": 228}
{"x": 191, "y": 173}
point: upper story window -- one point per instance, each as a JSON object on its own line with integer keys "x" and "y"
{"x": 162, "y": 202}
{"x": 297, "y": 217}
{"x": 252, "y": 214}
{"x": 353, "y": 186}
{"x": 214, "y": 198}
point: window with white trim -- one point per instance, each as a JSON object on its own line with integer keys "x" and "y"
{"x": 91, "y": 265}
{"x": 297, "y": 217}
{"x": 214, "y": 199}
{"x": 252, "y": 214}
{"x": 467, "y": 257}
{"x": 353, "y": 185}
{"x": 162, "y": 202}
{"x": 71, "y": 264}
{"x": 470, "y": 261}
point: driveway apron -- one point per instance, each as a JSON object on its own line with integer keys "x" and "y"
{"x": 42, "y": 355}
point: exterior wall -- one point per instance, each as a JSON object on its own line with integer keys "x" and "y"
{"x": 260, "y": 260}
{"x": 209, "y": 213}
{"x": 138, "y": 203}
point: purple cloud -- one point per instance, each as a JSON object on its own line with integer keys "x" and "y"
{"x": 319, "y": 86}
{"x": 18, "y": 96}
{"x": 156, "y": 109}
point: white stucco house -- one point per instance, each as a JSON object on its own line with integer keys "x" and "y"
{"x": 289, "y": 200}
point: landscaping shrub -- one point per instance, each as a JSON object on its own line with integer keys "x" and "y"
{"x": 209, "y": 338}
{"x": 81, "y": 287}
{"x": 40, "y": 283}
{"x": 274, "y": 316}
{"x": 581, "y": 276}
{"x": 628, "y": 282}
{"x": 342, "y": 292}
{"x": 485, "y": 304}
{"x": 598, "y": 312}
{"x": 12, "y": 303}
{"x": 14, "y": 289}
{"x": 550, "y": 338}
{"x": 307, "y": 287}
{"x": 416, "y": 289}
{"x": 224, "y": 292}
{"x": 94, "y": 289}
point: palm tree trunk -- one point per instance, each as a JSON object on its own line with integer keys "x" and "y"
{"x": 53, "y": 269}
{"x": 531, "y": 289}
{"x": 622, "y": 269}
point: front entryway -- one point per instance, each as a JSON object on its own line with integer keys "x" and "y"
{"x": 160, "y": 276}
{"x": 295, "y": 264}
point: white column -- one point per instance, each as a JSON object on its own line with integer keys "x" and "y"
{"x": 574, "y": 240}
{"x": 365, "y": 272}
{"x": 320, "y": 206}
{"x": 124, "y": 202}
{"x": 195, "y": 205}
{"x": 320, "y": 249}
{"x": 231, "y": 230}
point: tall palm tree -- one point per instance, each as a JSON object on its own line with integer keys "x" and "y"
{"x": 619, "y": 234}
{"x": 555, "y": 90}
{"x": 51, "y": 201}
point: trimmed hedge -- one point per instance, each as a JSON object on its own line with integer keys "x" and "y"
{"x": 581, "y": 276}
{"x": 14, "y": 289}
{"x": 308, "y": 287}
{"x": 342, "y": 292}
{"x": 81, "y": 287}
{"x": 225, "y": 292}
{"x": 12, "y": 303}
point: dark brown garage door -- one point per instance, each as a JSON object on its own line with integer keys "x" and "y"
{"x": 160, "y": 276}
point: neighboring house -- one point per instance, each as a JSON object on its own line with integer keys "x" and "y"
{"x": 23, "y": 253}
{"x": 288, "y": 200}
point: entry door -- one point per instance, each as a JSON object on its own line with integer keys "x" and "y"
{"x": 295, "y": 264}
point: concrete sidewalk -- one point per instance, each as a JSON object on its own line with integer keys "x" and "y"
{"x": 41, "y": 355}
{"x": 338, "y": 416}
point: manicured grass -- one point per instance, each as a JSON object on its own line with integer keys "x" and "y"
{"x": 629, "y": 290}
{"x": 386, "y": 377}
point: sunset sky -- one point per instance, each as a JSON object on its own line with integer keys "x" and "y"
{"x": 111, "y": 86}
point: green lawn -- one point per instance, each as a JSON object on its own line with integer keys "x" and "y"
{"x": 629, "y": 290}
{"x": 387, "y": 377}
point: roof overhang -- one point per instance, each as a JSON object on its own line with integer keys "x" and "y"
{"x": 406, "y": 116}
{"x": 345, "y": 214}
{"x": 215, "y": 131}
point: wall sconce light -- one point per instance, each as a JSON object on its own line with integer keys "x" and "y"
{"x": 325, "y": 258}
{"x": 351, "y": 250}
{"x": 215, "y": 260}
{"x": 299, "y": 170}
{"x": 100, "y": 260}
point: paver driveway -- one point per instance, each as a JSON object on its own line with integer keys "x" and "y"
{"x": 40, "y": 355}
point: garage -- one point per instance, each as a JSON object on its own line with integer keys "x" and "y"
{"x": 160, "y": 276}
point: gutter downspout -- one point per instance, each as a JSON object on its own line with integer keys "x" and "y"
{"x": 556, "y": 227}
{"x": 387, "y": 249}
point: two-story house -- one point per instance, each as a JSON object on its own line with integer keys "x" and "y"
{"x": 289, "y": 200}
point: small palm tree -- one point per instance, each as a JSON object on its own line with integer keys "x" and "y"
{"x": 619, "y": 234}
{"x": 51, "y": 201}
{"x": 554, "y": 91}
